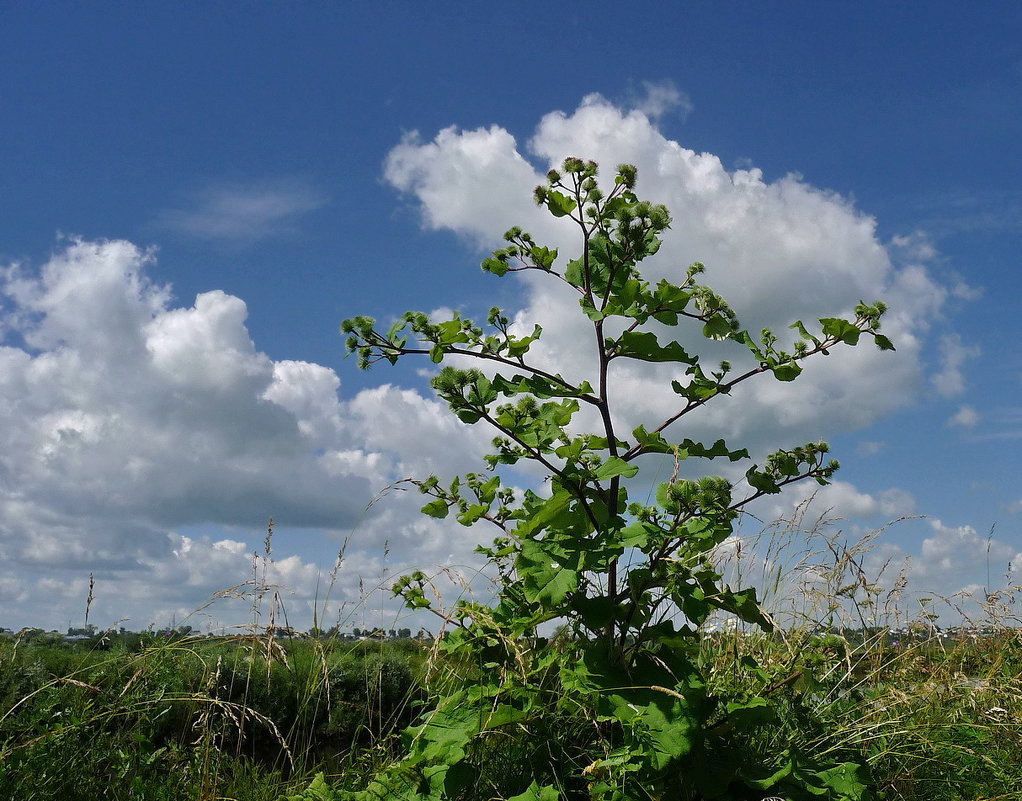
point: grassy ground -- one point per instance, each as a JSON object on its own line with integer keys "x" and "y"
{"x": 254, "y": 718}
{"x": 936, "y": 718}
{"x": 197, "y": 718}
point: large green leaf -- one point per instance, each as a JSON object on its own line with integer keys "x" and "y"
{"x": 718, "y": 327}
{"x": 471, "y": 514}
{"x": 615, "y": 467}
{"x": 595, "y": 612}
{"x": 542, "y": 515}
{"x": 537, "y": 793}
{"x": 543, "y": 257}
{"x": 651, "y": 443}
{"x": 437, "y": 508}
{"x": 847, "y": 781}
{"x": 788, "y": 371}
{"x": 574, "y": 273}
{"x": 883, "y": 342}
{"x": 519, "y": 346}
{"x": 717, "y": 449}
{"x": 746, "y": 715}
{"x": 318, "y": 790}
{"x": 637, "y": 534}
{"x": 646, "y": 347}
{"x": 547, "y": 578}
{"x": 644, "y": 698}
{"x": 536, "y": 385}
{"x": 840, "y": 329}
{"x": 560, "y": 205}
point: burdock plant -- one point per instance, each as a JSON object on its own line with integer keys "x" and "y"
{"x": 616, "y": 708}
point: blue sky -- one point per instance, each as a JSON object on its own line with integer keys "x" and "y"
{"x": 194, "y": 196}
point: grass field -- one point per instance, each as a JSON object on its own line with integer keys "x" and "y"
{"x": 936, "y": 715}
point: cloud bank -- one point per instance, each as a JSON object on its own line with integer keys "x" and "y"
{"x": 148, "y": 441}
{"x": 125, "y": 418}
{"x": 778, "y": 251}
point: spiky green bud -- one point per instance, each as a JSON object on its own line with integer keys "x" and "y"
{"x": 626, "y": 174}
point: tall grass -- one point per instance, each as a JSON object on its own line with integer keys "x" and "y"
{"x": 864, "y": 672}
{"x": 254, "y": 715}
{"x": 250, "y": 715}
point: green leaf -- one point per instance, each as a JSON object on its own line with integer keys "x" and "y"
{"x": 538, "y": 386}
{"x": 590, "y": 310}
{"x": 743, "y": 603}
{"x": 840, "y": 329}
{"x": 488, "y": 490}
{"x": 545, "y": 580}
{"x": 644, "y": 346}
{"x": 654, "y": 717}
{"x": 761, "y": 481}
{"x": 544, "y": 257}
{"x": 440, "y": 742}
{"x": 574, "y": 274}
{"x": 849, "y": 781}
{"x": 615, "y": 467}
{"x": 788, "y": 371}
{"x": 318, "y": 790}
{"x": 719, "y": 448}
{"x": 537, "y": 793}
{"x": 770, "y": 781}
{"x": 636, "y": 535}
{"x": 471, "y": 514}
{"x": 542, "y": 513}
{"x": 560, "y": 205}
{"x": 883, "y": 342}
{"x": 799, "y": 326}
{"x": 747, "y": 715}
{"x": 596, "y": 612}
{"x": 688, "y": 447}
{"x": 468, "y": 415}
{"x": 651, "y": 443}
{"x": 718, "y": 327}
{"x": 437, "y": 508}
{"x": 520, "y": 346}
{"x": 495, "y": 266}
{"x": 693, "y": 603}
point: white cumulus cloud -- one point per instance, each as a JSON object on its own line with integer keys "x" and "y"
{"x": 129, "y": 421}
{"x": 125, "y": 418}
{"x": 778, "y": 251}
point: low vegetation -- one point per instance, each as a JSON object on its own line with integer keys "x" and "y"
{"x": 159, "y": 717}
{"x": 934, "y": 715}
